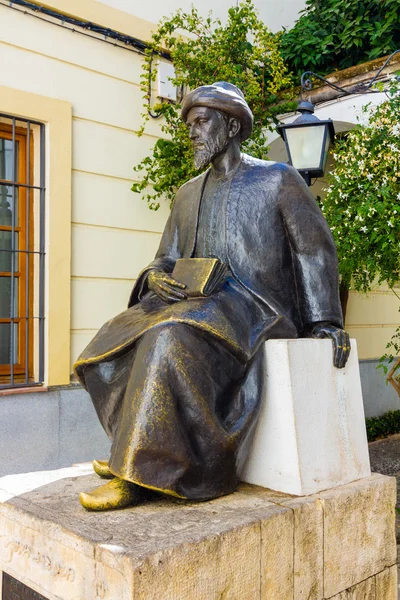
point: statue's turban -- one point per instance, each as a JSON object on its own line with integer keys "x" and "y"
{"x": 224, "y": 97}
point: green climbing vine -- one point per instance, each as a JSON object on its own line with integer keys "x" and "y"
{"x": 244, "y": 52}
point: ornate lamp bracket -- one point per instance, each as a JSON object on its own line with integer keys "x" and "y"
{"x": 360, "y": 88}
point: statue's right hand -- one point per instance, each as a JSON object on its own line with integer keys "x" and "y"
{"x": 166, "y": 288}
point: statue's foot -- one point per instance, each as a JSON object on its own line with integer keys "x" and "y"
{"x": 115, "y": 494}
{"x": 101, "y": 468}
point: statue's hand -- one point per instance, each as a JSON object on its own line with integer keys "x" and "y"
{"x": 166, "y": 288}
{"x": 340, "y": 340}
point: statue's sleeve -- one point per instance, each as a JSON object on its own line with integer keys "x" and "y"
{"x": 166, "y": 257}
{"x": 313, "y": 251}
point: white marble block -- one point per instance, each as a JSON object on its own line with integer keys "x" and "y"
{"x": 311, "y": 432}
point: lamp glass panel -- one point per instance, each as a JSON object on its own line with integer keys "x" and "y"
{"x": 305, "y": 145}
{"x": 326, "y": 150}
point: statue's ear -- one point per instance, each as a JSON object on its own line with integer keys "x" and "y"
{"x": 234, "y": 126}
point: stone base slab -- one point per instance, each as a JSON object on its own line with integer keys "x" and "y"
{"x": 255, "y": 544}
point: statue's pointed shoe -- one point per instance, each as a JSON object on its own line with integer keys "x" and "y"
{"x": 101, "y": 468}
{"x": 113, "y": 495}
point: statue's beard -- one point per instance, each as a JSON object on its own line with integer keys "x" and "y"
{"x": 206, "y": 150}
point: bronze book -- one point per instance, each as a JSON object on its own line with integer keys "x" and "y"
{"x": 202, "y": 276}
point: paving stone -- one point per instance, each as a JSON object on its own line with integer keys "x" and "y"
{"x": 385, "y": 455}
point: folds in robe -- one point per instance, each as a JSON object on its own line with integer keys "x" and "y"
{"x": 177, "y": 386}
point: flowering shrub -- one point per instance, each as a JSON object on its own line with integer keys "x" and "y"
{"x": 362, "y": 202}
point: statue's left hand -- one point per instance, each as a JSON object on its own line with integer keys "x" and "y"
{"x": 340, "y": 340}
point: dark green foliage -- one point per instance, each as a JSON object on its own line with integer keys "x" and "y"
{"x": 380, "y": 427}
{"x": 336, "y": 34}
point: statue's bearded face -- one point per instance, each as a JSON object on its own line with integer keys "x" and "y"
{"x": 209, "y": 132}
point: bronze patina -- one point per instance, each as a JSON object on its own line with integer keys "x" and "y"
{"x": 176, "y": 380}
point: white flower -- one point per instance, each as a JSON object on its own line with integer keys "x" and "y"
{"x": 396, "y": 130}
{"x": 370, "y": 176}
{"x": 390, "y": 223}
{"x": 364, "y": 229}
{"x": 398, "y": 196}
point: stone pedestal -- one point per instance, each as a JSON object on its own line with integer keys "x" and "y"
{"x": 254, "y": 544}
{"x": 311, "y": 431}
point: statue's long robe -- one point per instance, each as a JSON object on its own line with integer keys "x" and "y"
{"x": 177, "y": 386}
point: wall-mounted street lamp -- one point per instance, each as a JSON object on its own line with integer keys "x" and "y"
{"x": 307, "y": 139}
{"x": 307, "y": 142}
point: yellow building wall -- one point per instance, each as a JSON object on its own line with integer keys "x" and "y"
{"x": 114, "y": 234}
{"x": 372, "y": 319}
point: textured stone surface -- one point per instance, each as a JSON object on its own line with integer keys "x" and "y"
{"x": 311, "y": 431}
{"x": 226, "y": 565}
{"x": 308, "y": 548}
{"x": 386, "y": 584}
{"x": 366, "y": 590}
{"x": 359, "y": 532}
{"x": 277, "y": 556}
{"x": 255, "y": 544}
{"x": 162, "y": 549}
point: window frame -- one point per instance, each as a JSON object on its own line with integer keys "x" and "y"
{"x": 24, "y": 273}
{"x": 55, "y": 117}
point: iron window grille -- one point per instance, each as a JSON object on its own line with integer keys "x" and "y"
{"x": 22, "y": 251}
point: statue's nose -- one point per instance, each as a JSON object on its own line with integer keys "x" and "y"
{"x": 193, "y": 133}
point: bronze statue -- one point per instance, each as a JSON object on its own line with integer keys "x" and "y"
{"x": 176, "y": 381}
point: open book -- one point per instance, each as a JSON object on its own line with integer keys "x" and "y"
{"x": 202, "y": 276}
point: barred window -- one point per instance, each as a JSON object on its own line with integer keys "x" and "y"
{"x": 21, "y": 252}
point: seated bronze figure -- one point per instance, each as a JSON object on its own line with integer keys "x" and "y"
{"x": 176, "y": 381}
